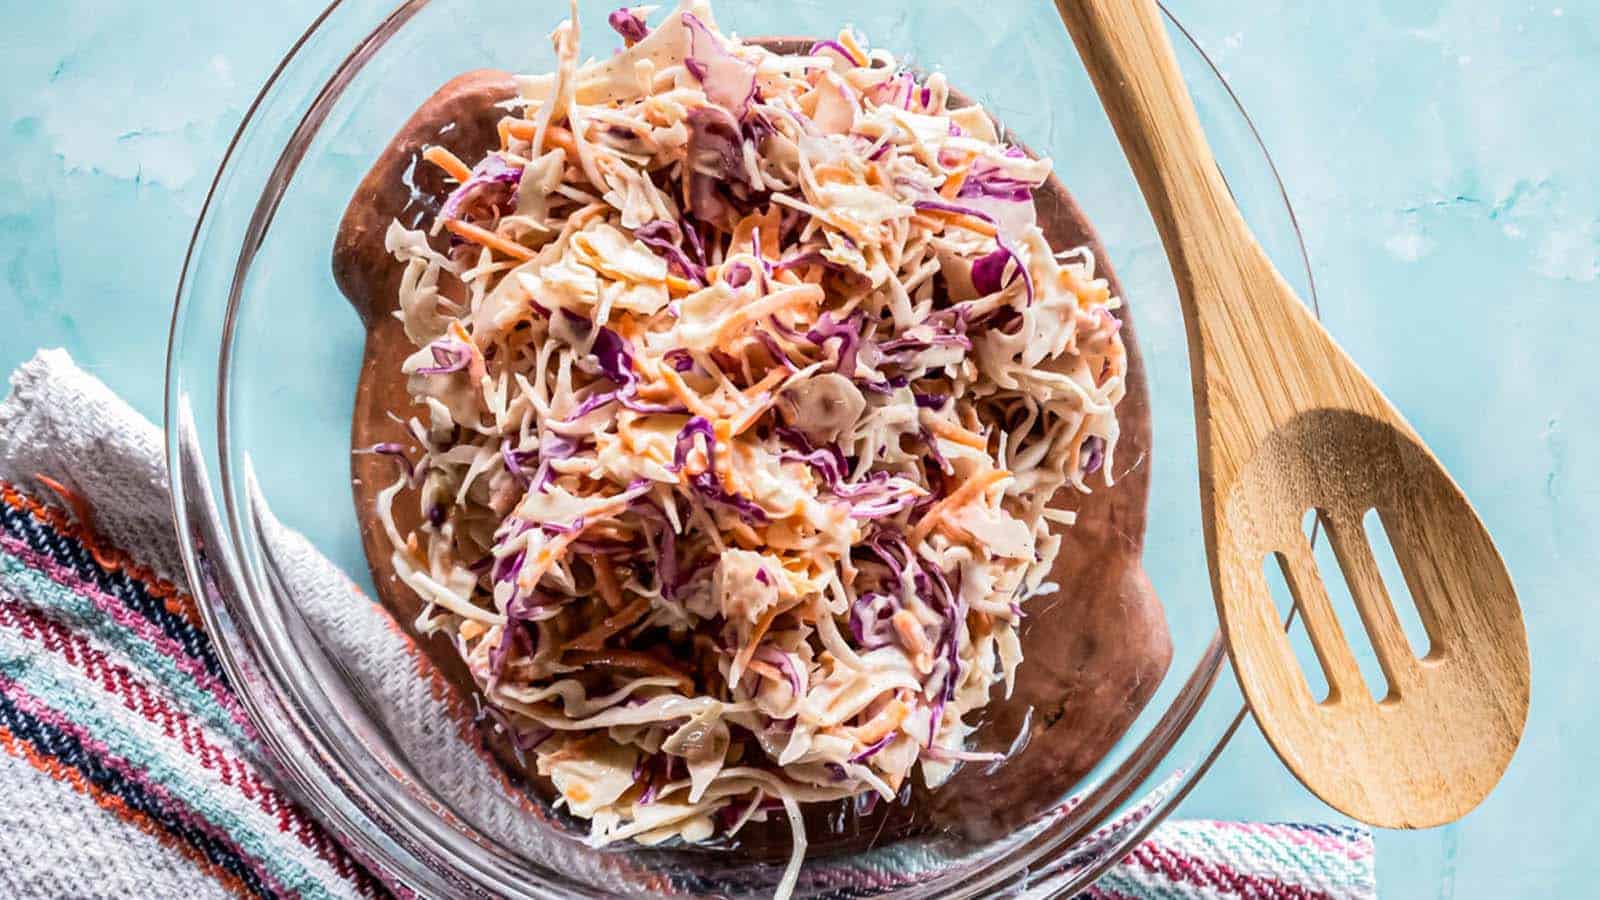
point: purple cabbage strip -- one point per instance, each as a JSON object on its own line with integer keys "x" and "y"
{"x": 492, "y": 180}
{"x": 513, "y": 635}
{"x": 680, "y": 454}
{"x": 590, "y": 404}
{"x": 830, "y": 465}
{"x": 991, "y": 182}
{"x": 877, "y": 745}
{"x": 708, "y": 486}
{"x": 783, "y": 662}
{"x": 573, "y": 527}
{"x": 846, "y": 332}
{"x": 737, "y": 275}
{"x": 988, "y": 271}
{"x": 941, "y": 206}
{"x": 715, "y": 165}
{"x": 772, "y": 346}
{"x": 836, "y": 47}
{"x": 1093, "y": 454}
{"x": 869, "y": 619}
{"x": 508, "y": 568}
{"x": 729, "y": 81}
{"x": 695, "y": 243}
{"x": 615, "y": 360}
{"x": 614, "y": 357}
{"x": 665, "y": 238}
{"x": 680, "y": 359}
{"x": 930, "y": 401}
{"x": 555, "y": 446}
{"x": 448, "y": 356}
{"x": 885, "y": 387}
{"x": 512, "y": 459}
{"x": 396, "y": 452}
{"x": 625, "y": 23}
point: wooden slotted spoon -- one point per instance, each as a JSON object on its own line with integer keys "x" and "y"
{"x": 1287, "y": 423}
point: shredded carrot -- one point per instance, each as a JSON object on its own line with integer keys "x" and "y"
{"x": 952, "y": 432}
{"x": 449, "y": 162}
{"x": 910, "y": 631}
{"x": 477, "y": 369}
{"x": 952, "y": 184}
{"x": 884, "y": 722}
{"x": 80, "y": 511}
{"x": 521, "y": 129}
{"x": 470, "y": 629}
{"x": 959, "y": 220}
{"x": 689, "y": 398}
{"x": 484, "y": 237}
{"x": 596, "y": 636}
{"x": 556, "y": 136}
{"x": 958, "y": 498}
{"x": 605, "y": 582}
{"x": 742, "y": 661}
{"x": 680, "y": 286}
{"x": 768, "y": 671}
{"x": 723, "y": 430}
{"x": 767, "y": 383}
{"x": 847, "y": 40}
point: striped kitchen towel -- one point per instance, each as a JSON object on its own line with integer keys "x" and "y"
{"x": 128, "y": 768}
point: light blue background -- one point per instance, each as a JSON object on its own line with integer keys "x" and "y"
{"x": 1441, "y": 155}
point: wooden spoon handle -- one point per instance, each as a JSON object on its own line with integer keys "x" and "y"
{"x": 1250, "y": 339}
{"x": 1125, "y": 48}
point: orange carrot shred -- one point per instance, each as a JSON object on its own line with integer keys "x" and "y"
{"x": 484, "y": 237}
{"x": 80, "y": 510}
{"x": 449, "y": 162}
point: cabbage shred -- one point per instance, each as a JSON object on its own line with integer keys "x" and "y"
{"x": 748, "y": 378}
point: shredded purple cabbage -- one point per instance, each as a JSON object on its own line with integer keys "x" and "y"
{"x": 665, "y": 238}
{"x": 698, "y": 425}
{"x": 784, "y": 663}
{"x": 1093, "y": 454}
{"x": 846, "y": 332}
{"x": 729, "y": 81}
{"x": 396, "y": 452}
{"x": 630, "y": 26}
{"x": 877, "y": 745}
{"x": 513, "y": 636}
{"x": 991, "y": 182}
{"x": 614, "y": 357}
{"x": 835, "y": 46}
{"x": 487, "y": 193}
{"x": 679, "y": 359}
{"x": 707, "y": 485}
{"x": 449, "y": 355}
{"x": 715, "y": 163}
{"x": 737, "y": 275}
{"x": 869, "y": 620}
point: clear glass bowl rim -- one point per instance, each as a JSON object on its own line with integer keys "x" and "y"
{"x": 427, "y": 855}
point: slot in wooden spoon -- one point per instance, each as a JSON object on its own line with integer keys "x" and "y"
{"x": 1286, "y": 423}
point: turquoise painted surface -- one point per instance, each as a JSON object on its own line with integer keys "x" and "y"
{"x": 1441, "y": 157}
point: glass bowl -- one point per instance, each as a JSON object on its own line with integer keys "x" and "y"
{"x": 263, "y": 363}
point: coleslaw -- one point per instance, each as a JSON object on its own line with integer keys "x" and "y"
{"x": 749, "y": 379}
